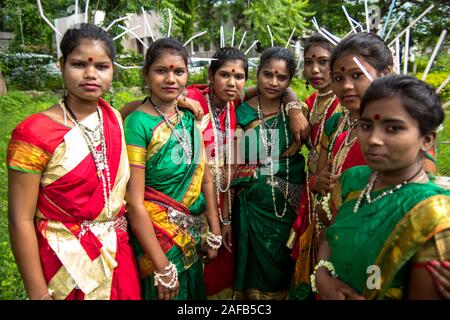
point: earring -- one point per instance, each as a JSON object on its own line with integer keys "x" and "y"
{"x": 111, "y": 96}
{"x": 307, "y": 85}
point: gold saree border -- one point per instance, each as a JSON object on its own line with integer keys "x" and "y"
{"x": 422, "y": 222}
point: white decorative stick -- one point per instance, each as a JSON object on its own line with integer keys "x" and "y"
{"x": 367, "y": 16}
{"x": 250, "y": 48}
{"x": 271, "y": 37}
{"x": 170, "y": 23}
{"x": 413, "y": 23}
{"x": 336, "y": 38}
{"x": 76, "y": 11}
{"x": 134, "y": 34}
{"x": 290, "y": 37}
{"x": 327, "y": 37}
{"x": 364, "y": 70}
{"x": 41, "y": 12}
{"x": 433, "y": 55}
{"x": 358, "y": 24}
{"x": 406, "y": 53}
{"x": 193, "y": 37}
{"x": 125, "y": 32}
{"x": 397, "y": 56}
{"x": 391, "y": 7}
{"x": 127, "y": 67}
{"x": 349, "y": 20}
{"x": 221, "y": 37}
{"x": 114, "y": 22}
{"x": 86, "y": 8}
{"x": 147, "y": 24}
{"x": 393, "y": 26}
{"x": 443, "y": 84}
{"x": 232, "y": 37}
{"x": 242, "y": 40}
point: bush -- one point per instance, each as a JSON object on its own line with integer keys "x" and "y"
{"x": 435, "y": 79}
{"x": 26, "y": 71}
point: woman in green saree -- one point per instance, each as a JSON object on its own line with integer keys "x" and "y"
{"x": 267, "y": 182}
{"x": 393, "y": 219}
{"x": 169, "y": 184}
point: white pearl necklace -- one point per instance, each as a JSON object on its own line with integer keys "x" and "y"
{"x": 368, "y": 189}
{"x": 217, "y": 171}
{"x": 325, "y": 93}
{"x": 183, "y": 140}
{"x": 268, "y": 148}
{"x": 100, "y": 159}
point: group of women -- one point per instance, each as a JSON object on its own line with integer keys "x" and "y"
{"x": 211, "y": 199}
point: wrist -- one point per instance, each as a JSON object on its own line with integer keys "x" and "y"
{"x": 325, "y": 265}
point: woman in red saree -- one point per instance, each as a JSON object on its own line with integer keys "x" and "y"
{"x": 68, "y": 171}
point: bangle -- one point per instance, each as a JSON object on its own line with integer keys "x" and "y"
{"x": 169, "y": 271}
{"x": 213, "y": 241}
{"x": 293, "y": 105}
{"x": 49, "y": 293}
{"x": 322, "y": 263}
{"x": 225, "y": 221}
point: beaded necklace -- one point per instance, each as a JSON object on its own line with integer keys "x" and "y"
{"x": 268, "y": 146}
{"x": 183, "y": 140}
{"x": 218, "y": 173}
{"x": 100, "y": 158}
{"x": 368, "y": 189}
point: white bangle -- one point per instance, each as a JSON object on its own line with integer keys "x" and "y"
{"x": 169, "y": 271}
{"x": 294, "y": 105}
{"x": 213, "y": 241}
{"x": 322, "y": 263}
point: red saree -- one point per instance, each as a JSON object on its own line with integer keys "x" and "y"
{"x": 85, "y": 254}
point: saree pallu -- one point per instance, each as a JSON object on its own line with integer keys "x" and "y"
{"x": 218, "y": 272}
{"x": 302, "y": 234}
{"x": 85, "y": 254}
{"x": 263, "y": 267}
{"x": 173, "y": 197}
{"x": 386, "y": 233}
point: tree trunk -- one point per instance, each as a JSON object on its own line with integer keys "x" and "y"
{"x": 2, "y": 84}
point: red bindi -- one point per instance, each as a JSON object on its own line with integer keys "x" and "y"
{"x": 313, "y": 55}
{"x": 342, "y": 69}
{"x": 232, "y": 70}
{"x": 276, "y": 72}
{"x": 90, "y": 59}
{"x": 377, "y": 117}
{"x": 171, "y": 66}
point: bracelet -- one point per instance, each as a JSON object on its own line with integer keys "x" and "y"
{"x": 169, "y": 271}
{"x": 293, "y": 105}
{"x": 225, "y": 221}
{"x": 322, "y": 263}
{"x": 213, "y": 241}
{"x": 49, "y": 293}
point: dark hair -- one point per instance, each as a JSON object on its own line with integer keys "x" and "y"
{"x": 73, "y": 36}
{"x": 227, "y": 54}
{"x": 318, "y": 40}
{"x": 161, "y": 46}
{"x": 367, "y": 45}
{"x": 278, "y": 53}
{"x": 419, "y": 99}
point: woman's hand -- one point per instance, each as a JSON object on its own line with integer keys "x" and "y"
{"x": 299, "y": 126}
{"x": 330, "y": 288}
{"x": 324, "y": 182}
{"x": 227, "y": 236}
{"x": 440, "y": 271}
{"x": 191, "y": 104}
{"x": 167, "y": 293}
{"x": 212, "y": 253}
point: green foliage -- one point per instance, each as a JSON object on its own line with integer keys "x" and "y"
{"x": 435, "y": 79}
{"x": 261, "y": 14}
{"x": 26, "y": 71}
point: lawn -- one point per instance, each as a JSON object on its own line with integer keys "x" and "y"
{"x": 17, "y": 105}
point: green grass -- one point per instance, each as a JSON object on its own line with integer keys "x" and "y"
{"x": 16, "y": 106}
